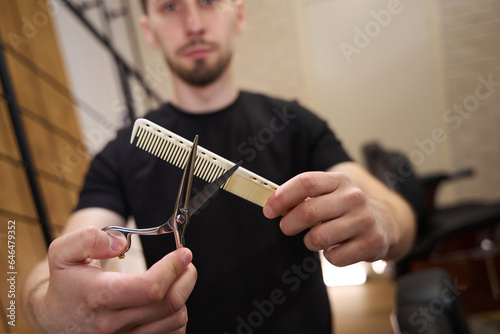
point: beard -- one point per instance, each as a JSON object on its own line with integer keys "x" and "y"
{"x": 202, "y": 74}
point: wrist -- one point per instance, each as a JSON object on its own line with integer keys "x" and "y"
{"x": 35, "y": 305}
{"x": 386, "y": 212}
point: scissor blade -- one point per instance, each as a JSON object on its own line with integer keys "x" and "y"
{"x": 210, "y": 190}
{"x": 182, "y": 201}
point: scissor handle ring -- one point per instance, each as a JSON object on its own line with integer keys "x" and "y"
{"x": 127, "y": 233}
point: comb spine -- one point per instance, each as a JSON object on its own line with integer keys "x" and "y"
{"x": 243, "y": 183}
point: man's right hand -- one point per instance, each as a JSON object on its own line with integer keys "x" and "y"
{"x": 80, "y": 297}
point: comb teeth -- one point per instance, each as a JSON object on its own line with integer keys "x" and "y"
{"x": 174, "y": 149}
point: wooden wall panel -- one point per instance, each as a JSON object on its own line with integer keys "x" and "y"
{"x": 15, "y": 196}
{"x": 58, "y": 205}
{"x": 72, "y": 163}
{"x": 39, "y": 141}
{"x": 53, "y": 135}
{"x": 61, "y": 109}
{"x": 24, "y": 82}
{"x": 8, "y": 145}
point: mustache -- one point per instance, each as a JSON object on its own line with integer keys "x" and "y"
{"x": 197, "y": 42}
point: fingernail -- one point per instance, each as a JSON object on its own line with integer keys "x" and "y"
{"x": 115, "y": 243}
{"x": 187, "y": 257}
{"x": 268, "y": 212}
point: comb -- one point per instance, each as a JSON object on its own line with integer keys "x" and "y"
{"x": 174, "y": 149}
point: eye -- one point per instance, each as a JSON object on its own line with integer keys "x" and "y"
{"x": 169, "y": 6}
{"x": 207, "y": 2}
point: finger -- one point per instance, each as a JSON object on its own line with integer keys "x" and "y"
{"x": 343, "y": 202}
{"x": 297, "y": 189}
{"x": 174, "y": 301}
{"x": 87, "y": 243}
{"x": 181, "y": 289}
{"x": 310, "y": 212}
{"x": 345, "y": 254}
{"x": 331, "y": 233}
{"x": 130, "y": 290}
{"x": 363, "y": 248}
{"x": 174, "y": 324}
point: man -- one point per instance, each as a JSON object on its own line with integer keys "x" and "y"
{"x": 252, "y": 275}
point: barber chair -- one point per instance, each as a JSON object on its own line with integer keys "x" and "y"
{"x": 462, "y": 238}
{"x": 428, "y": 302}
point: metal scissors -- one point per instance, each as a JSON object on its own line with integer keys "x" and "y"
{"x": 183, "y": 210}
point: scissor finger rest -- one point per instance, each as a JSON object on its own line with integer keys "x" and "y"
{"x": 127, "y": 233}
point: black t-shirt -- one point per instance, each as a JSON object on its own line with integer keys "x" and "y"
{"x": 251, "y": 277}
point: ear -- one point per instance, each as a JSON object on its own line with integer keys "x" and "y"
{"x": 241, "y": 23}
{"x": 149, "y": 36}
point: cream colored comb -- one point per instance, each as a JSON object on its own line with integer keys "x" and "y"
{"x": 174, "y": 149}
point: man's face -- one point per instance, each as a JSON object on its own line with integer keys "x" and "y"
{"x": 195, "y": 36}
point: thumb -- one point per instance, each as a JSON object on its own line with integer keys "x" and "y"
{"x": 78, "y": 247}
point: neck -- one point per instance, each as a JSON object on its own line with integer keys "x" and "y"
{"x": 200, "y": 100}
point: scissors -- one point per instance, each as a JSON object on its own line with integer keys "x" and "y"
{"x": 183, "y": 210}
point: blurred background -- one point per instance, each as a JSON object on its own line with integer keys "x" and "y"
{"x": 420, "y": 77}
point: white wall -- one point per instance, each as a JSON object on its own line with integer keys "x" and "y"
{"x": 374, "y": 71}
{"x": 92, "y": 75}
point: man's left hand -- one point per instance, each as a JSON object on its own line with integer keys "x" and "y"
{"x": 343, "y": 220}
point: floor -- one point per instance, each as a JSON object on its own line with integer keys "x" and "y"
{"x": 357, "y": 308}
{"x": 369, "y": 306}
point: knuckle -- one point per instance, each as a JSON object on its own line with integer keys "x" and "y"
{"x": 181, "y": 318}
{"x": 373, "y": 247}
{"x": 154, "y": 292}
{"x": 335, "y": 259}
{"x": 177, "y": 319}
{"x": 307, "y": 180}
{"x": 106, "y": 327}
{"x": 316, "y": 240}
{"x": 367, "y": 220}
{"x": 89, "y": 237}
{"x": 53, "y": 251}
{"x": 100, "y": 300}
{"x": 279, "y": 196}
{"x": 357, "y": 196}
{"x": 340, "y": 177}
{"x": 307, "y": 212}
{"x": 175, "y": 302}
{"x": 377, "y": 241}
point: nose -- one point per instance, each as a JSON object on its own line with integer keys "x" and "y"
{"x": 194, "y": 21}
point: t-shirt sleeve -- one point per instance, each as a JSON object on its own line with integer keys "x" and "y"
{"x": 103, "y": 186}
{"x": 325, "y": 148}
{"x": 327, "y": 151}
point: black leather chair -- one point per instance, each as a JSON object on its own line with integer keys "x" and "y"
{"x": 435, "y": 224}
{"x": 427, "y": 302}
